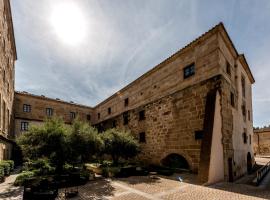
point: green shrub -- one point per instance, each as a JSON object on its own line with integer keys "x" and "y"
{"x": 40, "y": 166}
{"x": 23, "y": 177}
{"x": 2, "y": 174}
{"x": 11, "y": 164}
{"x": 6, "y": 167}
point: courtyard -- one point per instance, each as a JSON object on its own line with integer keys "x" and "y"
{"x": 145, "y": 187}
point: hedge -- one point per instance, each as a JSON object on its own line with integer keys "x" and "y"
{"x": 23, "y": 177}
{"x": 6, "y": 167}
{"x": 2, "y": 174}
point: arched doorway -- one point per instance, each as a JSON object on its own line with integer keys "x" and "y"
{"x": 175, "y": 161}
{"x": 249, "y": 163}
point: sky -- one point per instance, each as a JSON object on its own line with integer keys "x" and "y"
{"x": 86, "y": 50}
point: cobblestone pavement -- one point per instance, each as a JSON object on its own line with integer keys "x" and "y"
{"x": 164, "y": 188}
{"x": 8, "y": 191}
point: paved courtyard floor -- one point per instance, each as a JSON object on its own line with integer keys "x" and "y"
{"x": 164, "y": 188}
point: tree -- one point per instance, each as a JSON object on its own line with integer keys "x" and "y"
{"x": 48, "y": 140}
{"x": 83, "y": 142}
{"x": 120, "y": 144}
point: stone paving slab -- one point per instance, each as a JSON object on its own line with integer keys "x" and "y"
{"x": 8, "y": 191}
{"x": 167, "y": 188}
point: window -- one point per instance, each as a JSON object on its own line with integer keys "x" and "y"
{"x": 49, "y": 111}
{"x": 243, "y": 84}
{"x": 24, "y": 126}
{"x": 126, "y": 102}
{"x": 72, "y": 115}
{"x": 109, "y": 111}
{"x": 114, "y": 123}
{"x": 244, "y": 110}
{"x": 198, "y": 135}
{"x": 228, "y": 68}
{"x": 248, "y": 115}
{"x": 142, "y": 137}
{"x": 141, "y": 115}
{"x": 245, "y": 137}
{"x": 232, "y": 100}
{"x": 125, "y": 118}
{"x": 98, "y": 115}
{"x": 26, "y": 108}
{"x": 189, "y": 70}
{"x": 249, "y": 139}
{"x": 88, "y": 117}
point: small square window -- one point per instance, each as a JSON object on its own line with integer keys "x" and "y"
{"x": 245, "y": 137}
{"x": 72, "y": 115}
{"x": 189, "y": 70}
{"x": 126, "y": 102}
{"x": 142, "y": 137}
{"x": 88, "y": 117}
{"x": 125, "y": 118}
{"x": 109, "y": 111}
{"x": 49, "y": 111}
{"x": 114, "y": 123}
{"x": 228, "y": 68}
{"x": 232, "y": 100}
{"x": 26, "y": 108}
{"x": 141, "y": 115}
{"x": 24, "y": 126}
{"x": 198, "y": 135}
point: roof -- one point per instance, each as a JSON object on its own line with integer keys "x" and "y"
{"x": 42, "y": 97}
{"x": 261, "y": 130}
{"x": 218, "y": 27}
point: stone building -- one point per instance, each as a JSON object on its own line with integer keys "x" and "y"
{"x": 193, "y": 110}
{"x": 7, "y": 70}
{"x": 194, "y": 107}
{"x": 261, "y": 141}
{"x": 32, "y": 109}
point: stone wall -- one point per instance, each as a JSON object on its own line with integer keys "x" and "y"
{"x": 7, "y": 59}
{"x": 261, "y": 143}
{"x": 38, "y": 114}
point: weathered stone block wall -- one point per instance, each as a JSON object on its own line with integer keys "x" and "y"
{"x": 261, "y": 143}
{"x": 38, "y": 110}
{"x": 170, "y": 124}
{"x": 7, "y": 59}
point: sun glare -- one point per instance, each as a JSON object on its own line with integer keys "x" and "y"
{"x": 68, "y": 23}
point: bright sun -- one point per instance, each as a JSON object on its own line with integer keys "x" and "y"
{"x": 68, "y": 23}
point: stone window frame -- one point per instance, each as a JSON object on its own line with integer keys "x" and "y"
{"x": 142, "y": 137}
{"x": 27, "y": 108}
{"x": 228, "y": 68}
{"x": 245, "y": 137}
{"x": 232, "y": 99}
{"x": 98, "y": 115}
{"x": 24, "y": 126}
{"x": 141, "y": 115}
{"x": 49, "y": 112}
{"x": 189, "y": 70}
{"x": 126, "y": 102}
{"x": 88, "y": 117}
{"x": 109, "y": 110}
{"x": 72, "y": 115}
{"x": 125, "y": 118}
{"x": 243, "y": 85}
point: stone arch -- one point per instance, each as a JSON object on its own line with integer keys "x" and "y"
{"x": 180, "y": 156}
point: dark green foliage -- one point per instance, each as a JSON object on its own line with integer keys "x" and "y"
{"x": 40, "y": 166}
{"x": 23, "y": 177}
{"x": 83, "y": 142}
{"x": 6, "y": 167}
{"x": 2, "y": 174}
{"x": 120, "y": 144}
{"x": 11, "y": 164}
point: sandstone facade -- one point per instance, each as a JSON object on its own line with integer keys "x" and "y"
{"x": 7, "y": 59}
{"x": 195, "y": 106}
{"x": 261, "y": 142}
{"x": 175, "y": 108}
{"x": 33, "y": 110}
